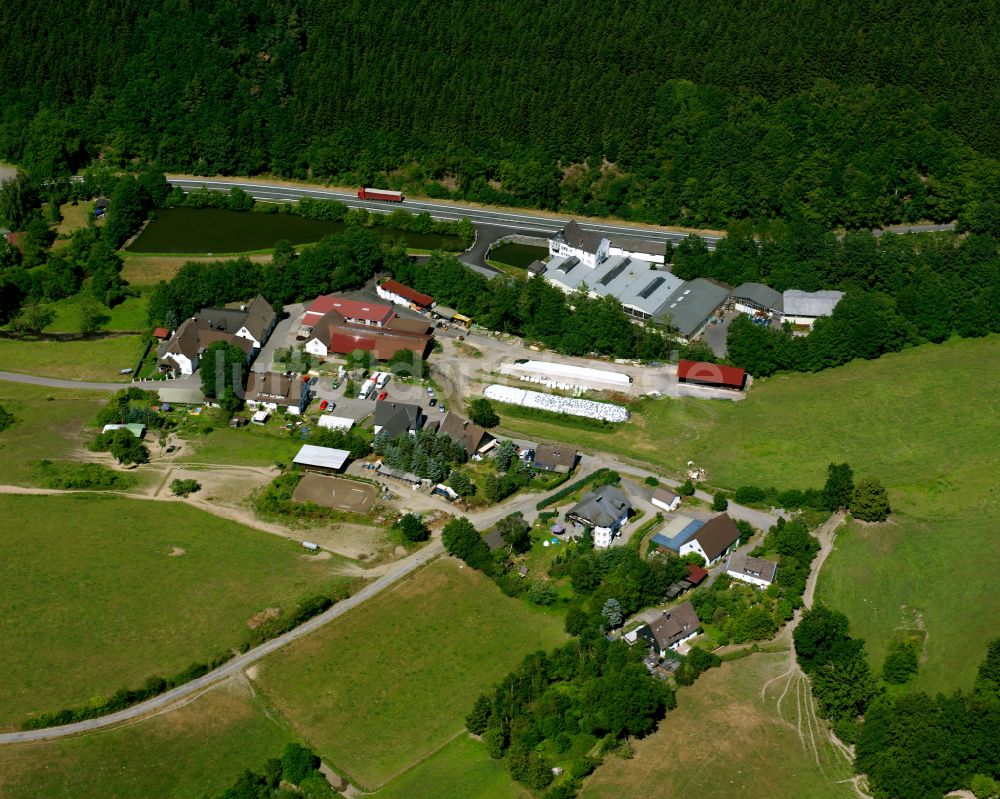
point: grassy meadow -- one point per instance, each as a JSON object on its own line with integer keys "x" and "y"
{"x": 923, "y": 421}
{"x": 460, "y": 768}
{"x": 128, "y": 315}
{"x": 99, "y": 359}
{"x": 391, "y": 682}
{"x": 722, "y": 741}
{"x": 197, "y": 749}
{"x": 101, "y": 592}
{"x": 49, "y": 424}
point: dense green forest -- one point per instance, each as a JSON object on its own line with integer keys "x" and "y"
{"x": 852, "y": 113}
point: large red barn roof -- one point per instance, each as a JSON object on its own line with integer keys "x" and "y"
{"x": 711, "y": 374}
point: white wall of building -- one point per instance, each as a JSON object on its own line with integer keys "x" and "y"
{"x": 748, "y": 578}
{"x": 316, "y": 347}
{"x": 671, "y": 507}
{"x": 637, "y": 256}
{"x": 800, "y": 320}
{"x": 603, "y": 536}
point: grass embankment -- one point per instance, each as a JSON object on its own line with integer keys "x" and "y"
{"x": 392, "y": 681}
{"x": 923, "y": 421}
{"x": 48, "y": 426}
{"x": 99, "y": 359}
{"x": 722, "y": 740}
{"x": 197, "y": 749}
{"x": 101, "y": 592}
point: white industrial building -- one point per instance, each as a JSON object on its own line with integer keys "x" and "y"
{"x": 586, "y": 260}
{"x": 324, "y": 459}
{"x": 566, "y": 376}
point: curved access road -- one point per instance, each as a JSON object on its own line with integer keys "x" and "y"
{"x": 51, "y": 382}
{"x": 234, "y": 666}
{"x": 510, "y": 221}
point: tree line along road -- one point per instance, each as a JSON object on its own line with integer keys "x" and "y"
{"x": 509, "y": 220}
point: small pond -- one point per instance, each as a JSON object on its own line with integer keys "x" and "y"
{"x": 219, "y": 230}
{"x": 519, "y": 255}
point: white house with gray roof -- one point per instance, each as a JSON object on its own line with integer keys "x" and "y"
{"x": 605, "y": 510}
{"x": 592, "y": 248}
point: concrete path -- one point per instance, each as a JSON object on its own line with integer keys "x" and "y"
{"x": 51, "y": 382}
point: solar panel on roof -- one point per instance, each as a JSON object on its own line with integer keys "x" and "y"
{"x": 647, "y": 292}
{"x": 568, "y": 265}
{"x": 613, "y": 273}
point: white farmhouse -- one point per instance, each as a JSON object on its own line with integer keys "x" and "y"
{"x": 605, "y": 510}
{"x": 714, "y": 540}
{"x": 756, "y": 571}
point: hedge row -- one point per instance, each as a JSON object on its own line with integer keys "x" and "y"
{"x": 600, "y": 477}
{"x": 126, "y": 697}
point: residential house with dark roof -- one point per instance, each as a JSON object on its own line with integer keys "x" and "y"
{"x": 713, "y": 540}
{"x": 669, "y": 630}
{"x": 756, "y": 571}
{"x": 473, "y": 438}
{"x": 397, "y": 417}
{"x": 182, "y": 353}
{"x": 559, "y": 459}
{"x": 605, "y": 510}
{"x": 253, "y": 321}
{"x": 271, "y": 390}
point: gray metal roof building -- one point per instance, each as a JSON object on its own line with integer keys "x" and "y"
{"x": 759, "y": 297}
{"x": 642, "y": 290}
{"x": 810, "y": 303}
{"x": 691, "y": 305}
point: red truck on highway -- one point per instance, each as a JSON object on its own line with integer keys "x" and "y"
{"x": 380, "y": 194}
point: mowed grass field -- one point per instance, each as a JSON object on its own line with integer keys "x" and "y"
{"x": 392, "y": 681}
{"x": 925, "y": 422}
{"x": 197, "y": 749}
{"x": 99, "y": 359}
{"x": 460, "y": 768}
{"x": 101, "y": 592}
{"x": 49, "y": 424}
{"x": 723, "y": 740}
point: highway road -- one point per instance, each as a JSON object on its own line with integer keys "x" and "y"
{"x": 508, "y": 221}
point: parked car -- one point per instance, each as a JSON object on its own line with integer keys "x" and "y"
{"x": 313, "y": 381}
{"x": 442, "y": 408}
{"x": 323, "y": 404}
{"x": 430, "y": 390}
{"x": 383, "y": 395}
{"x": 434, "y": 401}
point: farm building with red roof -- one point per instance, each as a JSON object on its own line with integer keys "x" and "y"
{"x": 700, "y": 373}
{"x": 403, "y": 295}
